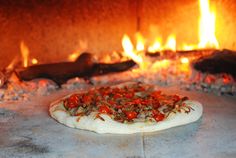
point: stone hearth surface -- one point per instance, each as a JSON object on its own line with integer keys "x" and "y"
{"x": 27, "y": 130}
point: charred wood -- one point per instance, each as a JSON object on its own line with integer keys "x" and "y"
{"x": 83, "y": 67}
{"x": 221, "y": 61}
{"x": 168, "y": 54}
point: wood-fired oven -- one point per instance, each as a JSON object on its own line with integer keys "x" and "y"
{"x": 56, "y": 47}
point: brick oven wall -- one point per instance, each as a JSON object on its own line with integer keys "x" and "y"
{"x": 53, "y": 29}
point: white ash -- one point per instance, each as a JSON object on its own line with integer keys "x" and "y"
{"x": 220, "y": 84}
{"x": 25, "y": 90}
{"x": 75, "y": 83}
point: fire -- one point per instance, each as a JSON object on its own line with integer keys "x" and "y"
{"x": 34, "y": 61}
{"x": 12, "y": 64}
{"x": 189, "y": 47}
{"x": 162, "y": 64}
{"x": 72, "y": 57}
{"x": 129, "y": 50}
{"x": 25, "y": 53}
{"x": 207, "y": 36}
{"x": 171, "y": 43}
{"x": 184, "y": 60}
{"x": 156, "y": 46}
{"x": 140, "y": 42}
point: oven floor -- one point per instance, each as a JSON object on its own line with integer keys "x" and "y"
{"x": 27, "y": 131}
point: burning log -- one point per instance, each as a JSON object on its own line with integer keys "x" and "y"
{"x": 168, "y": 54}
{"x": 219, "y": 62}
{"x": 84, "y": 67}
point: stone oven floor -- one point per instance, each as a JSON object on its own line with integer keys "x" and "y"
{"x": 27, "y": 130}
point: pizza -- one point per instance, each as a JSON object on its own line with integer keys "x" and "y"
{"x": 124, "y": 109}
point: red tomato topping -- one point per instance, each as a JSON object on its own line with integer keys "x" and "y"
{"x": 104, "y": 109}
{"x": 129, "y": 95}
{"x": 72, "y": 101}
{"x": 86, "y": 98}
{"x": 155, "y": 112}
{"x": 117, "y": 95}
{"x": 119, "y": 106}
{"x": 137, "y": 101}
{"x": 159, "y": 117}
{"x": 131, "y": 115}
{"x": 156, "y": 94}
{"x": 156, "y": 104}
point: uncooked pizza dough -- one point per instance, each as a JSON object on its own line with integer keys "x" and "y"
{"x": 105, "y": 124}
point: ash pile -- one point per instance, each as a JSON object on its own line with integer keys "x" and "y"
{"x": 210, "y": 71}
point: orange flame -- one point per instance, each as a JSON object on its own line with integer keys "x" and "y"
{"x": 162, "y": 64}
{"x": 12, "y": 64}
{"x": 73, "y": 56}
{"x": 129, "y": 49}
{"x": 140, "y": 42}
{"x": 207, "y": 36}
{"x": 171, "y": 43}
{"x": 185, "y": 65}
{"x": 25, "y": 53}
{"x": 34, "y": 61}
{"x": 184, "y": 60}
{"x": 156, "y": 46}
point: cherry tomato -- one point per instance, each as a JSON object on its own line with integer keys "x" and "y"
{"x": 131, "y": 115}
{"x": 129, "y": 95}
{"x": 111, "y": 102}
{"x": 156, "y": 94}
{"x": 155, "y": 104}
{"x": 86, "y": 98}
{"x": 159, "y": 117}
{"x": 137, "y": 101}
{"x": 117, "y": 95}
{"x": 72, "y": 101}
{"x": 104, "y": 109}
{"x": 155, "y": 112}
{"x": 119, "y": 106}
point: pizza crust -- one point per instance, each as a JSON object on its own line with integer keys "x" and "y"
{"x": 58, "y": 112}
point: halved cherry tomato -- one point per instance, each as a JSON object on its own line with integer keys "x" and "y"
{"x": 156, "y": 94}
{"x": 117, "y": 95}
{"x": 137, "y": 101}
{"x": 86, "y": 98}
{"x": 159, "y": 117}
{"x": 119, "y": 106}
{"x": 129, "y": 95}
{"x": 72, "y": 101}
{"x": 155, "y": 112}
{"x": 131, "y": 115}
{"x": 155, "y": 104}
{"x": 104, "y": 109}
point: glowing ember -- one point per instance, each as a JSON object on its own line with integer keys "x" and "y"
{"x": 162, "y": 64}
{"x": 184, "y": 60}
{"x": 34, "y": 61}
{"x": 72, "y": 57}
{"x": 25, "y": 53}
{"x": 129, "y": 49}
{"x": 184, "y": 67}
{"x": 207, "y": 36}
